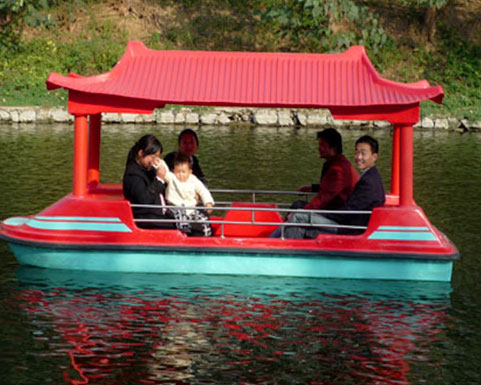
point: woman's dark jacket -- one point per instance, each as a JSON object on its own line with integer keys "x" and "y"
{"x": 140, "y": 186}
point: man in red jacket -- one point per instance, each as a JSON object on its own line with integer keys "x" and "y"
{"x": 338, "y": 178}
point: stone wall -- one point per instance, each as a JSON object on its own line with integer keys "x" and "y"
{"x": 226, "y": 116}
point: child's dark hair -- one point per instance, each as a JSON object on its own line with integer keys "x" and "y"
{"x": 181, "y": 159}
{"x": 332, "y": 138}
{"x": 188, "y": 131}
{"x": 149, "y": 144}
{"x": 371, "y": 141}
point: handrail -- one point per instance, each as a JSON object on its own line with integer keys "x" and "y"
{"x": 253, "y": 221}
{"x": 230, "y": 203}
{"x": 275, "y": 209}
{"x": 261, "y": 192}
{"x": 250, "y": 191}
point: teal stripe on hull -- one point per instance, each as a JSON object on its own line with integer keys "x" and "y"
{"x": 16, "y": 221}
{"x": 404, "y": 228}
{"x": 403, "y": 236}
{"x": 82, "y": 226}
{"x": 69, "y": 218}
{"x": 234, "y": 263}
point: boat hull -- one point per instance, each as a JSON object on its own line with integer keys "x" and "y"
{"x": 235, "y": 263}
{"x": 399, "y": 244}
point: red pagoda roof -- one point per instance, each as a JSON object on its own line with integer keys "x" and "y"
{"x": 346, "y": 83}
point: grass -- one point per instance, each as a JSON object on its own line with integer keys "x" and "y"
{"x": 453, "y": 62}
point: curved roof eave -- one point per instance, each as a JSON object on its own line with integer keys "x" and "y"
{"x": 154, "y": 78}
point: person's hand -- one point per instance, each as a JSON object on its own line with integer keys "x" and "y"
{"x": 306, "y": 188}
{"x": 209, "y": 205}
{"x": 160, "y": 169}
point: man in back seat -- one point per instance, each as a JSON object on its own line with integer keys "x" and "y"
{"x": 368, "y": 194}
{"x": 337, "y": 182}
{"x": 338, "y": 176}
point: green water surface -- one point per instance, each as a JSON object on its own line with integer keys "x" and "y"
{"x": 72, "y": 327}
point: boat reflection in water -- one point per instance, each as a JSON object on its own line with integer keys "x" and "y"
{"x": 152, "y": 328}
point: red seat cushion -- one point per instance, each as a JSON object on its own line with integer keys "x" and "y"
{"x": 250, "y": 230}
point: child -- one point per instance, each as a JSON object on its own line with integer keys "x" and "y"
{"x": 184, "y": 189}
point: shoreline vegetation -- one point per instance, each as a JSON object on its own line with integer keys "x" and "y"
{"x": 226, "y": 116}
{"x": 406, "y": 41}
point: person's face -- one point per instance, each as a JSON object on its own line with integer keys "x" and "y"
{"x": 182, "y": 171}
{"x": 147, "y": 161}
{"x": 188, "y": 145}
{"x": 364, "y": 157}
{"x": 324, "y": 150}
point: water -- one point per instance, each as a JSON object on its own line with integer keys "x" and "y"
{"x": 59, "y": 327}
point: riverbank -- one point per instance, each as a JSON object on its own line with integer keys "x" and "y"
{"x": 229, "y": 115}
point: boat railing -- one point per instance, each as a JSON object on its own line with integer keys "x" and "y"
{"x": 252, "y": 221}
{"x": 255, "y": 193}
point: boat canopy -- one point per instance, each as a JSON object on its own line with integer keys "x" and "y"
{"x": 346, "y": 83}
{"x": 144, "y": 79}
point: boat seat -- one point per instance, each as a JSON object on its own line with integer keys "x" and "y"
{"x": 249, "y": 230}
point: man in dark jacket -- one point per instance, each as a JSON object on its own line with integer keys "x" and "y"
{"x": 368, "y": 194}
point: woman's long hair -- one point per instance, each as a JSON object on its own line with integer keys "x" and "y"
{"x": 149, "y": 145}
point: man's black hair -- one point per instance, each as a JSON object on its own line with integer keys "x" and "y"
{"x": 332, "y": 138}
{"x": 371, "y": 141}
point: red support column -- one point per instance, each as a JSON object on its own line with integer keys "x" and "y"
{"x": 406, "y": 176}
{"x": 80, "y": 156}
{"x": 93, "y": 173}
{"x": 396, "y": 161}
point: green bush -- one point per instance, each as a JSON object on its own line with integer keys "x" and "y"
{"x": 25, "y": 68}
{"x": 254, "y": 25}
{"x": 324, "y": 25}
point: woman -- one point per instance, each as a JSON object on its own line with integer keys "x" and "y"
{"x": 188, "y": 143}
{"x": 142, "y": 184}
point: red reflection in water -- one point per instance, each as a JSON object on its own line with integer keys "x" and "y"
{"x": 119, "y": 338}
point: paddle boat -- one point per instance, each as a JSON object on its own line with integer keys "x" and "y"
{"x": 93, "y": 228}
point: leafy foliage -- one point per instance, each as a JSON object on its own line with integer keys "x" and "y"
{"x": 210, "y": 24}
{"x": 246, "y": 25}
{"x": 325, "y": 25}
{"x": 10, "y": 23}
{"x": 427, "y": 3}
{"x": 457, "y": 64}
{"x": 23, "y": 70}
